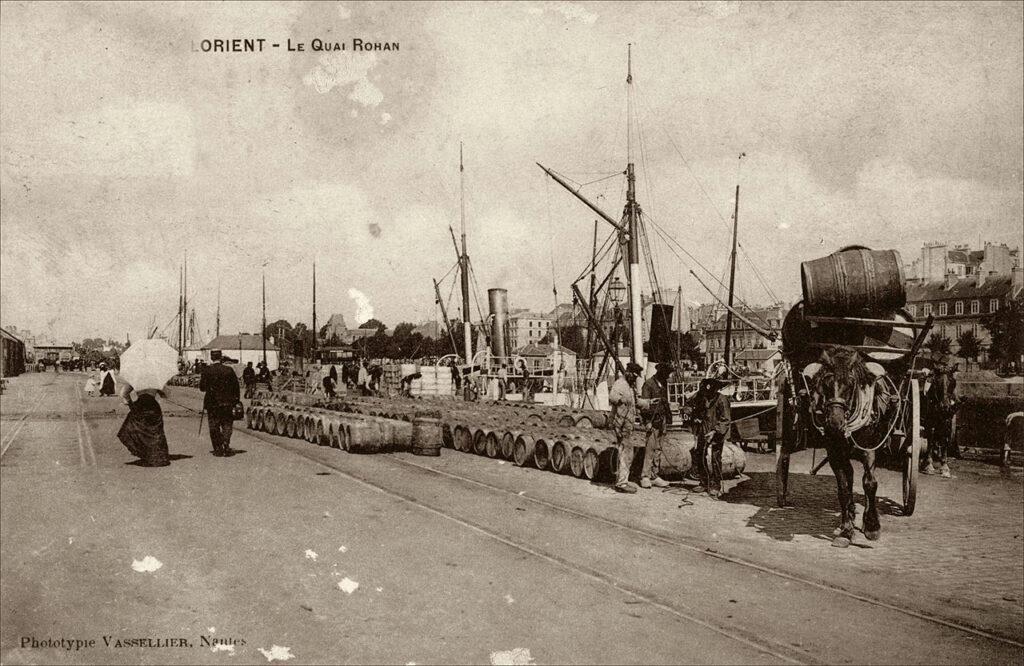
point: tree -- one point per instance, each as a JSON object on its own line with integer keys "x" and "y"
{"x": 278, "y": 329}
{"x": 403, "y": 330}
{"x": 938, "y": 343}
{"x": 1006, "y": 326}
{"x": 574, "y": 338}
{"x": 970, "y": 346}
{"x": 374, "y": 323}
{"x": 546, "y": 340}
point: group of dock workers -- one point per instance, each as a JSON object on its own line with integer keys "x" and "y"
{"x": 709, "y": 414}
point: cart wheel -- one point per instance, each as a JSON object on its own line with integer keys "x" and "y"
{"x": 912, "y": 450}
{"x": 785, "y": 443}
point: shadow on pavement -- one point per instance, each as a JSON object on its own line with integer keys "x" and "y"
{"x": 812, "y": 508}
{"x": 173, "y": 457}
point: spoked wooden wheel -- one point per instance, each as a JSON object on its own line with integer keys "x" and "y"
{"x": 911, "y": 448}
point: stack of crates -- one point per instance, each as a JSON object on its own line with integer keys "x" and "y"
{"x": 435, "y": 381}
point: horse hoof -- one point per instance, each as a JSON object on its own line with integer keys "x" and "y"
{"x": 872, "y": 535}
{"x": 840, "y": 542}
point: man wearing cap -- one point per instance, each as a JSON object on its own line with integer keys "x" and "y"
{"x": 657, "y": 418}
{"x": 712, "y": 418}
{"x": 220, "y": 385}
{"x": 624, "y": 402}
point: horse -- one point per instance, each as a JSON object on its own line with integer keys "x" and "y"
{"x": 940, "y": 404}
{"x": 849, "y": 406}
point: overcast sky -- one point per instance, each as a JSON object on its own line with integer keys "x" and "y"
{"x": 882, "y": 125}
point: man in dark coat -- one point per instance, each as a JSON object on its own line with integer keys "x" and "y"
{"x": 220, "y": 385}
{"x": 249, "y": 379}
{"x": 712, "y": 421}
{"x": 656, "y": 419}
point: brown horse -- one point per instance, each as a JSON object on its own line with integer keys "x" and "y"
{"x": 940, "y": 408}
{"x": 848, "y": 405}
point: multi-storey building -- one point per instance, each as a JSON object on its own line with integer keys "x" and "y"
{"x": 958, "y": 304}
{"x": 938, "y": 260}
{"x": 743, "y": 336}
{"x": 526, "y": 327}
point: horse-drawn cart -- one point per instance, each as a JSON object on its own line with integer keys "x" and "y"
{"x": 850, "y": 386}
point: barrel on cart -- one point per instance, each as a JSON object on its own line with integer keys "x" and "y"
{"x": 852, "y": 298}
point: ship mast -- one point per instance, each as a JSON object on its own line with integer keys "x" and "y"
{"x": 631, "y": 216}
{"x": 628, "y": 226}
{"x": 467, "y": 328}
{"x": 732, "y": 275}
{"x": 316, "y": 333}
{"x": 263, "y": 329}
{"x": 217, "y": 326}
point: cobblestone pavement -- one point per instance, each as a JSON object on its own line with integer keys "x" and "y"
{"x": 441, "y": 545}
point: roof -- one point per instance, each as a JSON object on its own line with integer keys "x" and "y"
{"x": 543, "y": 350}
{"x": 994, "y": 286}
{"x": 244, "y": 341}
{"x": 755, "y": 354}
{"x": 7, "y": 334}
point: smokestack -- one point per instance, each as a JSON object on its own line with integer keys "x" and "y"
{"x": 497, "y": 302}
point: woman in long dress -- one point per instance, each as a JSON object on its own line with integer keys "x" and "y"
{"x": 142, "y": 432}
{"x": 106, "y": 380}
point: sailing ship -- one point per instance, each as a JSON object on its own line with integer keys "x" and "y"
{"x": 631, "y": 255}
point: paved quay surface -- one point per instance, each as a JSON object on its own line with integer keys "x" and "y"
{"x": 461, "y": 558}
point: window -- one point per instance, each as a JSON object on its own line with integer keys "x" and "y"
{"x": 927, "y": 309}
{"x": 943, "y": 309}
{"x": 993, "y": 304}
{"x": 975, "y": 307}
{"x": 913, "y": 310}
{"x": 958, "y": 308}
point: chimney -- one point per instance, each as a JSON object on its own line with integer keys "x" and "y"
{"x": 951, "y": 279}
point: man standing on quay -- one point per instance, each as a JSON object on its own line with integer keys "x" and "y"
{"x": 624, "y": 402}
{"x": 221, "y": 387}
{"x": 657, "y": 418}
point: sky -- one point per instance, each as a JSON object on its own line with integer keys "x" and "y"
{"x": 122, "y": 149}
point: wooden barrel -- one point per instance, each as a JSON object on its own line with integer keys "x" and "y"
{"x": 854, "y": 281}
{"x": 280, "y": 422}
{"x": 289, "y": 425}
{"x": 567, "y": 420}
{"x": 249, "y": 417}
{"x": 320, "y": 432}
{"x": 576, "y": 456}
{"x": 365, "y": 436}
{"x": 542, "y": 452}
{"x": 427, "y": 436}
{"x": 463, "y": 438}
{"x": 523, "y": 450}
{"x": 591, "y": 463}
{"x": 480, "y": 441}
{"x": 335, "y": 435}
{"x": 447, "y": 436}
{"x": 560, "y": 451}
{"x": 309, "y": 431}
{"x": 492, "y": 443}
{"x": 609, "y": 462}
{"x": 507, "y": 444}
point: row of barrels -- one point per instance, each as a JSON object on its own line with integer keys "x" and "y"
{"x": 350, "y": 432}
{"x": 403, "y": 408}
{"x": 584, "y": 456}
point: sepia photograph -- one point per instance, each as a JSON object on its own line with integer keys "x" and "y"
{"x": 511, "y": 333}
